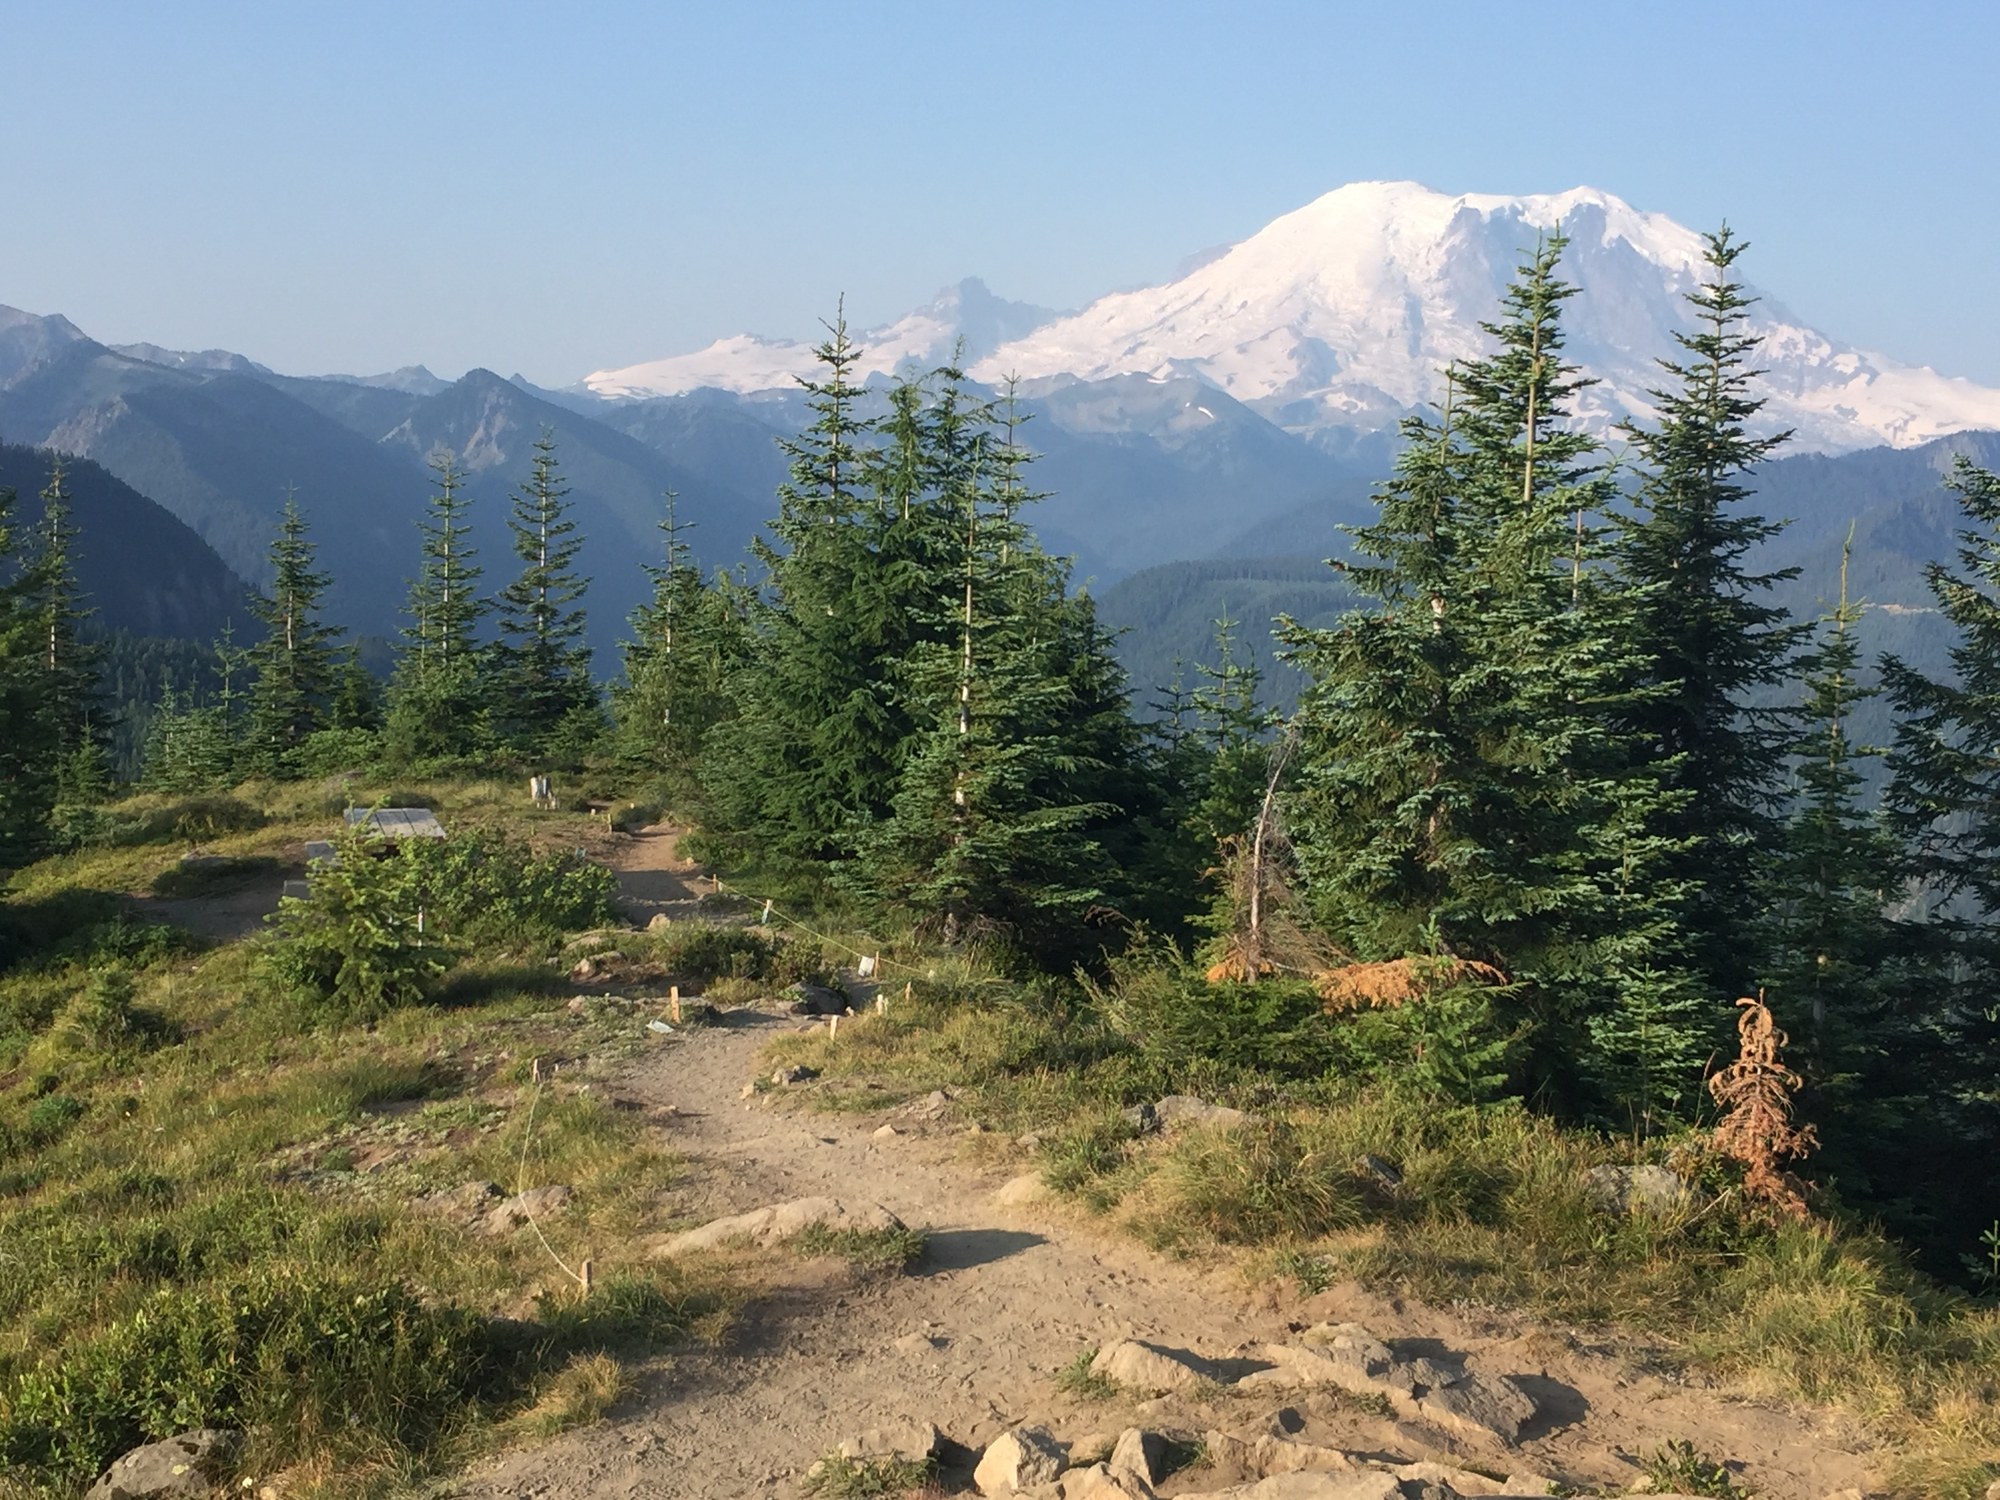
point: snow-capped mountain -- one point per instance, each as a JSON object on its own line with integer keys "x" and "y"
{"x": 747, "y": 363}
{"x": 1334, "y": 320}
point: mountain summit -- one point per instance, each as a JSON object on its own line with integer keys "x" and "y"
{"x": 1336, "y": 319}
{"x": 925, "y": 337}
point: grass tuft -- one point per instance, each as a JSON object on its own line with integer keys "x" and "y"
{"x": 838, "y": 1478}
{"x": 884, "y": 1249}
{"x": 1079, "y": 1380}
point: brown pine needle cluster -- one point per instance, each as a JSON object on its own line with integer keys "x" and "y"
{"x": 1397, "y": 981}
{"x": 1756, "y": 1128}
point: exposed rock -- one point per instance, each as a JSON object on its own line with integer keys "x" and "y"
{"x": 1140, "y": 1453}
{"x": 1315, "y": 1484}
{"x": 1636, "y": 1190}
{"x": 535, "y": 1203}
{"x": 1143, "y": 1118}
{"x": 816, "y": 1000}
{"x": 1018, "y": 1460}
{"x": 903, "y": 1442}
{"x": 467, "y": 1200}
{"x": 1348, "y": 1356}
{"x": 1380, "y": 1171}
{"x": 1147, "y": 1367}
{"x": 796, "y": 1073}
{"x": 1099, "y": 1482}
{"x": 1993, "y": 1490}
{"x": 660, "y": 922}
{"x": 767, "y": 1226}
{"x": 1461, "y": 1482}
{"x": 1185, "y": 1109}
{"x": 1093, "y": 1448}
{"x": 933, "y": 1106}
{"x": 748, "y": 1091}
{"x": 885, "y": 1132}
{"x": 583, "y": 969}
{"x": 192, "y": 1466}
{"x": 1022, "y": 1191}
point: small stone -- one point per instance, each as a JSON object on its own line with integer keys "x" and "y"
{"x": 796, "y": 1073}
{"x": 1143, "y": 1118}
{"x": 886, "y": 1132}
{"x": 1097, "y": 1482}
{"x": 190, "y": 1466}
{"x": 1017, "y": 1460}
{"x": 918, "y": 1345}
{"x": 1185, "y": 1109}
{"x": 1382, "y": 1172}
{"x": 464, "y": 1201}
{"x": 902, "y": 1442}
{"x": 535, "y": 1203}
{"x": 1023, "y": 1191}
{"x": 1648, "y": 1190}
{"x": 584, "y": 969}
{"x": 1993, "y": 1490}
{"x": 748, "y": 1091}
{"x": 1093, "y": 1448}
{"x": 1148, "y": 1368}
{"x": 660, "y": 922}
{"x": 1029, "y": 1141}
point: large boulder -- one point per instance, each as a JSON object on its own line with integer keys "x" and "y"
{"x": 1139, "y": 1453}
{"x": 1018, "y": 1460}
{"x": 1348, "y": 1356}
{"x": 191, "y": 1466}
{"x": 779, "y": 1222}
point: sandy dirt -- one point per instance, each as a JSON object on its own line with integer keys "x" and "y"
{"x": 971, "y": 1338}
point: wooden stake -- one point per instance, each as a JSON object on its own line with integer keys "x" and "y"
{"x": 674, "y": 1001}
{"x": 535, "y": 1070}
{"x": 881, "y": 1005}
{"x": 585, "y": 1278}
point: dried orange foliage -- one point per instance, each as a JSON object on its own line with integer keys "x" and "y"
{"x": 1384, "y": 986}
{"x": 1235, "y": 967}
{"x": 1756, "y": 1128}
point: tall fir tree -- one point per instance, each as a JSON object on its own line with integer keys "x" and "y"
{"x": 437, "y": 699}
{"x": 1021, "y": 760}
{"x": 27, "y": 726}
{"x": 1944, "y": 794}
{"x": 1838, "y": 966}
{"x": 799, "y": 764}
{"x": 1712, "y": 642}
{"x": 541, "y": 663}
{"x": 71, "y": 659}
{"x": 293, "y": 665}
{"x": 686, "y": 645}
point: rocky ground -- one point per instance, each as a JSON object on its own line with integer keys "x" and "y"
{"x": 1234, "y": 1389}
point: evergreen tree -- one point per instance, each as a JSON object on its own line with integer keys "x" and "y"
{"x": 194, "y": 746}
{"x": 71, "y": 661}
{"x": 1834, "y": 950}
{"x": 1022, "y": 760}
{"x": 1944, "y": 794}
{"x": 541, "y": 663}
{"x": 686, "y": 645}
{"x": 294, "y": 662}
{"x": 437, "y": 699}
{"x": 27, "y": 726}
{"x": 356, "y": 696}
{"x": 1710, "y": 640}
{"x": 1235, "y": 731}
{"x": 801, "y": 763}
{"x": 1467, "y": 785}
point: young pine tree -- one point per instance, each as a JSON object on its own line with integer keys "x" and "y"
{"x": 541, "y": 663}
{"x": 437, "y": 705}
{"x": 686, "y": 645}
{"x": 294, "y": 662}
{"x": 1710, "y": 638}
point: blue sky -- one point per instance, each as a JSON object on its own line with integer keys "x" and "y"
{"x": 555, "y": 188}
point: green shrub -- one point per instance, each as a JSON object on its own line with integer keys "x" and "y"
{"x": 328, "y": 752}
{"x": 190, "y": 820}
{"x": 354, "y": 948}
{"x": 702, "y": 951}
{"x": 304, "y": 1360}
{"x": 486, "y": 885}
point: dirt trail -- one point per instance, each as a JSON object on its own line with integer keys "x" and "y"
{"x": 971, "y": 1337}
{"x": 652, "y": 875}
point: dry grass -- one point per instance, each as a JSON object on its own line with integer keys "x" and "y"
{"x": 1398, "y": 981}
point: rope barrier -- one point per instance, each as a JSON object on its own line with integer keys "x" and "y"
{"x": 771, "y": 910}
